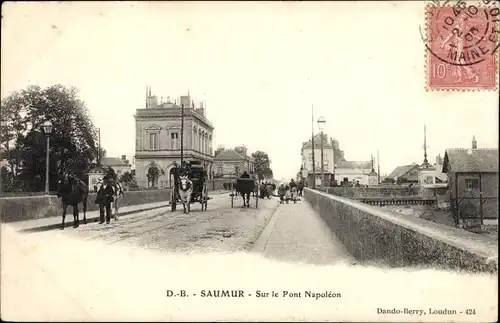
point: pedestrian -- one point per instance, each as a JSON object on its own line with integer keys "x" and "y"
{"x": 287, "y": 193}
{"x": 281, "y": 193}
{"x": 300, "y": 187}
{"x": 105, "y": 195}
{"x": 293, "y": 190}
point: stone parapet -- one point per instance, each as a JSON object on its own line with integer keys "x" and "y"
{"x": 375, "y": 235}
{"x": 35, "y": 207}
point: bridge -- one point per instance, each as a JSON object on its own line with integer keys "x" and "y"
{"x": 322, "y": 228}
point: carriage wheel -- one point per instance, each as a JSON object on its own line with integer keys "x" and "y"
{"x": 173, "y": 201}
{"x": 232, "y": 199}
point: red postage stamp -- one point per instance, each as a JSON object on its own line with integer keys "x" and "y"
{"x": 462, "y": 45}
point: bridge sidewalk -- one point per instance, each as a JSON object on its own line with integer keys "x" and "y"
{"x": 297, "y": 233}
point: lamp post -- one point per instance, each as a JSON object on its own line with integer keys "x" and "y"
{"x": 47, "y": 129}
{"x": 321, "y": 125}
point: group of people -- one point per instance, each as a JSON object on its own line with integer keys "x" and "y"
{"x": 290, "y": 191}
{"x": 108, "y": 191}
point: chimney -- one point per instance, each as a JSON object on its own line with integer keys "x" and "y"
{"x": 474, "y": 142}
{"x": 186, "y": 100}
{"x": 124, "y": 157}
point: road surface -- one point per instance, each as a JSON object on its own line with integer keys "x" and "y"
{"x": 219, "y": 229}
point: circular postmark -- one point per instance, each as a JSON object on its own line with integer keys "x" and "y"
{"x": 463, "y": 33}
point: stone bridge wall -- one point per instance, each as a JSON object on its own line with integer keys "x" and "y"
{"x": 375, "y": 235}
{"x": 34, "y": 207}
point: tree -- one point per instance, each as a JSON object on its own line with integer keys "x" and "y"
{"x": 6, "y": 178}
{"x": 153, "y": 175}
{"x": 262, "y": 165}
{"x": 72, "y": 141}
{"x": 127, "y": 177}
{"x": 111, "y": 174}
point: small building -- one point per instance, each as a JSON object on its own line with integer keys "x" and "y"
{"x": 354, "y": 172}
{"x": 119, "y": 165}
{"x": 96, "y": 174}
{"x": 473, "y": 184}
{"x": 433, "y": 176}
{"x": 231, "y": 162}
{"x": 405, "y": 174}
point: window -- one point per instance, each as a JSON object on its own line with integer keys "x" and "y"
{"x": 153, "y": 141}
{"x": 471, "y": 183}
{"x": 174, "y": 136}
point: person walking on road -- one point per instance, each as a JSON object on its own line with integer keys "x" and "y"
{"x": 105, "y": 195}
{"x": 300, "y": 187}
{"x": 281, "y": 193}
{"x": 287, "y": 193}
{"x": 293, "y": 190}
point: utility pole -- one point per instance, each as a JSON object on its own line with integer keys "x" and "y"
{"x": 182, "y": 133}
{"x": 312, "y": 142}
{"x": 378, "y": 166}
{"x": 99, "y": 148}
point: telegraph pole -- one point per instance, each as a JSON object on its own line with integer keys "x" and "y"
{"x": 182, "y": 133}
{"x": 312, "y": 142}
{"x": 378, "y": 166}
{"x": 99, "y": 149}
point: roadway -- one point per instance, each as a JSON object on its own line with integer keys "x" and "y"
{"x": 288, "y": 232}
{"x": 219, "y": 229}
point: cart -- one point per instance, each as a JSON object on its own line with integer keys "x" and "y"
{"x": 198, "y": 176}
{"x": 244, "y": 185}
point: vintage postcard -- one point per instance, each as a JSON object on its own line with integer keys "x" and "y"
{"x": 249, "y": 161}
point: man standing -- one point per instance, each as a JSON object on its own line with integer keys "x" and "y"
{"x": 185, "y": 170}
{"x": 300, "y": 187}
{"x": 105, "y": 195}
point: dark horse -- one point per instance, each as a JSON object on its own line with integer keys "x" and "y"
{"x": 73, "y": 191}
{"x": 245, "y": 186}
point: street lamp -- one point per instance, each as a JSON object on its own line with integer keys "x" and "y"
{"x": 321, "y": 125}
{"x": 47, "y": 129}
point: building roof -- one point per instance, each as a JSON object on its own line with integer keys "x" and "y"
{"x": 112, "y": 161}
{"x": 230, "y": 155}
{"x": 471, "y": 160}
{"x": 401, "y": 170}
{"x": 355, "y": 164}
{"x": 98, "y": 170}
{"x": 317, "y": 142}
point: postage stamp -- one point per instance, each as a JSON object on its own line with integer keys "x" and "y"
{"x": 462, "y": 45}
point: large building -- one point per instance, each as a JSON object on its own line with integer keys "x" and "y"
{"x": 335, "y": 166}
{"x": 331, "y": 155}
{"x": 158, "y": 135}
{"x": 232, "y": 162}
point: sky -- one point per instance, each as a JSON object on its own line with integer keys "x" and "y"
{"x": 259, "y": 67}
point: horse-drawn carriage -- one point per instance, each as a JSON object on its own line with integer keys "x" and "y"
{"x": 244, "y": 186}
{"x": 199, "y": 191}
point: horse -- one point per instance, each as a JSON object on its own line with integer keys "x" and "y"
{"x": 72, "y": 192}
{"x": 117, "y": 198}
{"x": 245, "y": 187}
{"x": 185, "y": 192}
